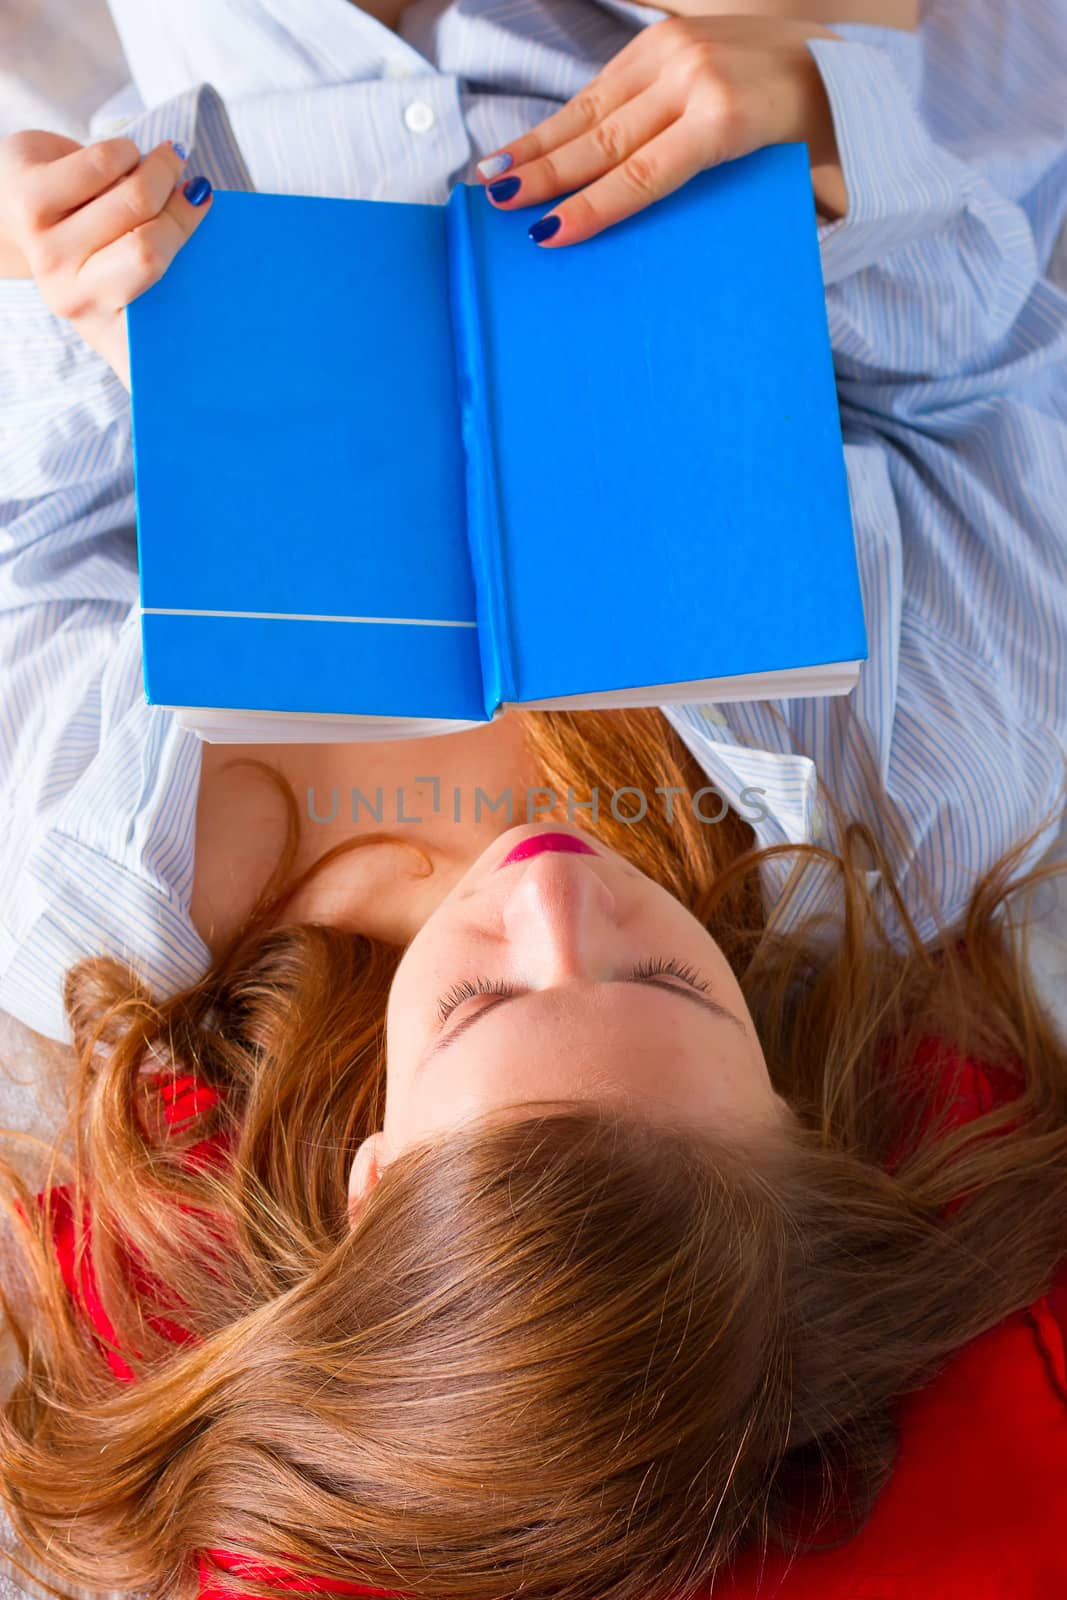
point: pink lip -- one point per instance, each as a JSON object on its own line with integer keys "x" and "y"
{"x": 547, "y": 841}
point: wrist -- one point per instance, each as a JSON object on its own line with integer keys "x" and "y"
{"x": 106, "y": 334}
{"x": 818, "y": 133}
{"x": 13, "y": 263}
{"x": 831, "y": 196}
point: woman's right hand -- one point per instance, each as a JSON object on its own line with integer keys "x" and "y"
{"x": 96, "y": 225}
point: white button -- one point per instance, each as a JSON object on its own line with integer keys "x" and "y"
{"x": 713, "y": 714}
{"x": 398, "y": 69}
{"x": 115, "y": 126}
{"x": 419, "y": 116}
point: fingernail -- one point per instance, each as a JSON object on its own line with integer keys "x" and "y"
{"x": 544, "y": 229}
{"x": 493, "y": 166}
{"x": 506, "y": 189}
{"x": 179, "y": 150}
{"x": 196, "y": 191}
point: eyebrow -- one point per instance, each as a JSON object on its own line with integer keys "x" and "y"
{"x": 704, "y": 1001}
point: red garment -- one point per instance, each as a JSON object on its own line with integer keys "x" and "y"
{"x": 976, "y": 1506}
{"x": 183, "y": 1098}
{"x": 977, "y": 1502}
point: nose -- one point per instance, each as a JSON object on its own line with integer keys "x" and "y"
{"x": 560, "y": 919}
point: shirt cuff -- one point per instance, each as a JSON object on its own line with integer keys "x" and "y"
{"x": 901, "y": 186}
{"x": 150, "y": 932}
{"x": 162, "y": 951}
{"x": 110, "y": 871}
{"x": 631, "y": 11}
{"x": 197, "y": 119}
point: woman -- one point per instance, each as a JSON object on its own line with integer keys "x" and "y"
{"x": 599, "y": 1286}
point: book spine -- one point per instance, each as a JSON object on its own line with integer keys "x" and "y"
{"x": 484, "y": 532}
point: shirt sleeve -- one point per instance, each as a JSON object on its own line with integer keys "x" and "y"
{"x": 931, "y": 267}
{"x": 950, "y": 353}
{"x": 97, "y": 789}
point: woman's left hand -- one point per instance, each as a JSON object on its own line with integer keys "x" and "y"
{"x": 684, "y": 94}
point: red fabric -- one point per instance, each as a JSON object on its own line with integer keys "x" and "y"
{"x": 976, "y": 1504}
{"x": 254, "y": 1571}
{"x": 183, "y": 1098}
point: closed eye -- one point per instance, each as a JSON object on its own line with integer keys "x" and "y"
{"x": 657, "y": 973}
{"x": 466, "y": 990}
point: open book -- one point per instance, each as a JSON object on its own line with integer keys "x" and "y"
{"x": 398, "y": 467}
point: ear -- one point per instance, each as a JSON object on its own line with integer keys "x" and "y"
{"x": 364, "y": 1174}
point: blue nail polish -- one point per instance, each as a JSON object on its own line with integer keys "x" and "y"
{"x": 506, "y": 189}
{"x": 544, "y": 229}
{"x": 179, "y": 150}
{"x": 196, "y": 191}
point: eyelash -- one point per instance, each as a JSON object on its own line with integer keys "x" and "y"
{"x": 651, "y": 968}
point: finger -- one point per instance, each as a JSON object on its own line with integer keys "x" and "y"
{"x": 135, "y": 199}
{"x": 56, "y": 188}
{"x": 655, "y": 50}
{"x": 624, "y": 76}
{"x": 124, "y": 269}
{"x": 652, "y": 172}
{"x": 32, "y": 147}
{"x": 591, "y": 154}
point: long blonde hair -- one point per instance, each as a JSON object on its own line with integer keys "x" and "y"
{"x": 571, "y": 1357}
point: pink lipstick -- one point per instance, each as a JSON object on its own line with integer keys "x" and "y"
{"x": 547, "y": 841}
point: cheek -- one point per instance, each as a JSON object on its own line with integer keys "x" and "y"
{"x": 425, "y": 974}
{"x": 724, "y": 983}
{"x": 403, "y": 1014}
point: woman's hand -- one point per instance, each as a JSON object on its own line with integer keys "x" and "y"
{"x": 685, "y": 94}
{"x": 902, "y": 14}
{"x": 95, "y": 225}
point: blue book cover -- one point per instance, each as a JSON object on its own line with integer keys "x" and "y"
{"x": 396, "y": 461}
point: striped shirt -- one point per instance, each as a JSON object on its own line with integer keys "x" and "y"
{"x": 946, "y": 288}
